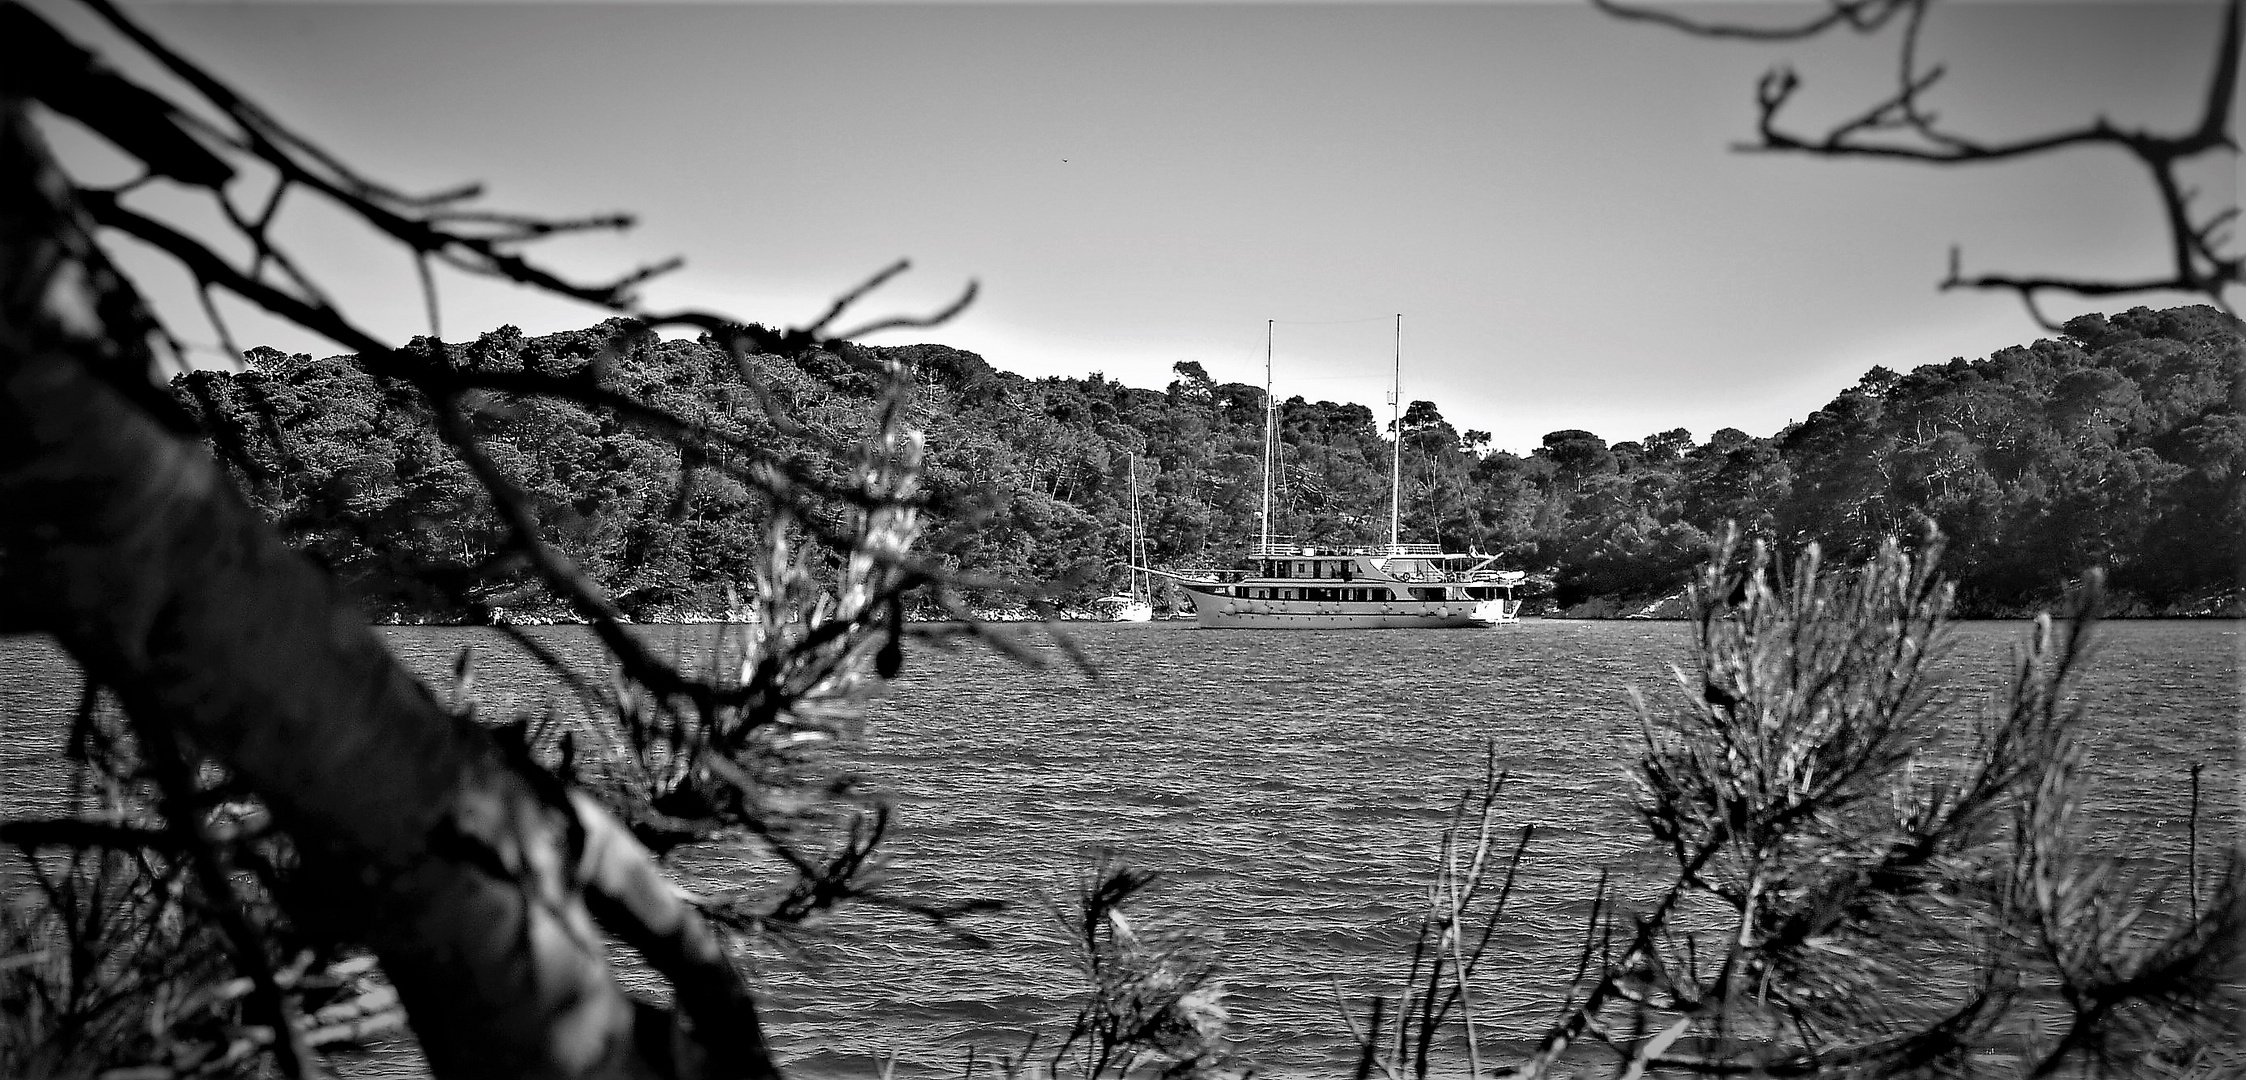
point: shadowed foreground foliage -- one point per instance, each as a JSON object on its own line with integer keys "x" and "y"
{"x": 1861, "y": 881}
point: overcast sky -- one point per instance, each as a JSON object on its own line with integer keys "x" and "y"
{"x": 1545, "y": 194}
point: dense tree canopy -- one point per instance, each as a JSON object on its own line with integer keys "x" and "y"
{"x": 2118, "y": 445}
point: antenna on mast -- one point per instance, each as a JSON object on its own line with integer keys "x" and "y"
{"x": 1396, "y": 454}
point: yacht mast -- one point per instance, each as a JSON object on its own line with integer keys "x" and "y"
{"x": 1267, "y": 415}
{"x": 1396, "y": 454}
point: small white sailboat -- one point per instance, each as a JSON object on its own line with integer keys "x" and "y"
{"x": 1137, "y": 605}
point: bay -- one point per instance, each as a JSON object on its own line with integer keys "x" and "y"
{"x": 1288, "y": 785}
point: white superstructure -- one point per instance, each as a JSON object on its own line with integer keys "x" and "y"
{"x": 1389, "y": 587}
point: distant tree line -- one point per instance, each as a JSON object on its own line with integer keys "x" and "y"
{"x": 2118, "y": 445}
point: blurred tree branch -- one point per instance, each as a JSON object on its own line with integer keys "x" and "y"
{"x": 482, "y": 881}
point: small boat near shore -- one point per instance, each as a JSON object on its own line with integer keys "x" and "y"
{"x": 1137, "y": 605}
{"x": 1121, "y": 608}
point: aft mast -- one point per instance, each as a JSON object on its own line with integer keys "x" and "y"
{"x": 1396, "y": 453}
{"x": 1265, "y": 547}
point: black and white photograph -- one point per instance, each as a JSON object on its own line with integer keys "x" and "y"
{"x": 1122, "y": 540}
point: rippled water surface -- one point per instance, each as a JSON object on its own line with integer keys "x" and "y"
{"x": 1289, "y": 785}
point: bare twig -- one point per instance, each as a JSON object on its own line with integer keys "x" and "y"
{"x": 1900, "y": 127}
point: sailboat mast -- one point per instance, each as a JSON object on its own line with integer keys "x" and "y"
{"x": 1135, "y": 553}
{"x": 1267, "y": 433}
{"x": 1396, "y": 453}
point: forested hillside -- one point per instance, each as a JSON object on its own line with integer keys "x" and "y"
{"x": 2118, "y": 445}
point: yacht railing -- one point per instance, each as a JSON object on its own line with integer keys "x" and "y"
{"x": 1454, "y": 577}
{"x": 1411, "y": 549}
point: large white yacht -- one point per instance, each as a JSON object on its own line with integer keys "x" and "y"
{"x": 1398, "y": 586}
{"x": 1284, "y": 584}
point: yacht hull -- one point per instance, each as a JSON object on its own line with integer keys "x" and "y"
{"x": 1218, "y": 611}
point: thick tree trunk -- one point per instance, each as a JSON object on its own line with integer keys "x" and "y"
{"x": 125, "y": 541}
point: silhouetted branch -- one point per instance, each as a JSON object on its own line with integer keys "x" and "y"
{"x": 1863, "y": 16}
{"x": 911, "y": 322}
{"x": 440, "y": 382}
{"x": 1900, "y": 127}
{"x": 486, "y": 830}
{"x": 175, "y": 777}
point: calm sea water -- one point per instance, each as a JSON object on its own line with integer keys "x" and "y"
{"x": 1288, "y": 785}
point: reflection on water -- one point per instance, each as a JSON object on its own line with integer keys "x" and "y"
{"x": 1288, "y": 784}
